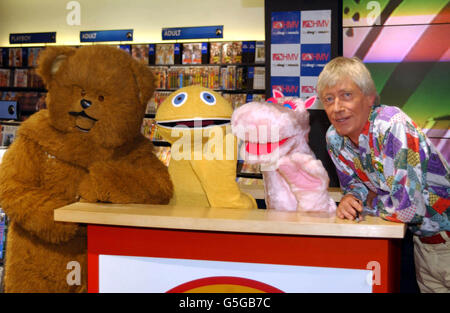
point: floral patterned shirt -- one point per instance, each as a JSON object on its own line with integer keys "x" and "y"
{"x": 397, "y": 162}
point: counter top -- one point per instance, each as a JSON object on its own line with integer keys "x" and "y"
{"x": 227, "y": 220}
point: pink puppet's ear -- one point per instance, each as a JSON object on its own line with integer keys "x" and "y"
{"x": 310, "y": 102}
{"x": 277, "y": 93}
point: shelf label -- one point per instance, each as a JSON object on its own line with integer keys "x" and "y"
{"x": 107, "y": 35}
{"x": 32, "y": 38}
{"x": 200, "y": 32}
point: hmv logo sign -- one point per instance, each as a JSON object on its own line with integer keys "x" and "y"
{"x": 278, "y": 25}
{"x": 286, "y": 89}
{"x": 319, "y": 56}
{"x": 315, "y": 23}
{"x": 285, "y": 57}
{"x": 308, "y": 89}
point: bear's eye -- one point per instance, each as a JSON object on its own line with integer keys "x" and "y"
{"x": 101, "y": 98}
{"x": 83, "y": 93}
{"x": 179, "y": 99}
{"x": 208, "y": 98}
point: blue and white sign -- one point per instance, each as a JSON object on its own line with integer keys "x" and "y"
{"x": 316, "y": 26}
{"x": 285, "y": 60}
{"x": 32, "y": 38}
{"x": 313, "y": 58}
{"x": 285, "y": 27}
{"x": 300, "y": 48}
{"x": 289, "y": 86}
{"x": 200, "y": 32}
{"x": 106, "y": 35}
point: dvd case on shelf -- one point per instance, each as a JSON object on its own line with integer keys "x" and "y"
{"x": 215, "y": 52}
{"x": 160, "y": 96}
{"x": 15, "y": 57}
{"x": 248, "y": 52}
{"x": 8, "y": 95}
{"x": 33, "y": 55}
{"x": 149, "y": 130}
{"x": 231, "y": 52}
{"x": 250, "y": 168}
{"x": 156, "y": 100}
{"x": 151, "y": 105}
{"x": 258, "y": 97}
{"x": 8, "y": 134}
{"x": 146, "y": 127}
{"x": 164, "y": 54}
{"x": 5, "y": 77}
{"x": 182, "y": 76}
{"x": 192, "y": 53}
{"x": 20, "y": 78}
{"x": 236, "y": 99}
{"x": 236, "y": 52}
{"x": 140, "y": 53}
{"x": 259, "y": 79}
{"x": 160, "y": 73}
{"x": 227, "y": 53}
{"x": 260, "y": 52}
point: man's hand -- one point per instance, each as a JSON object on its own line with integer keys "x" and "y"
{"x": 349, "y": 207}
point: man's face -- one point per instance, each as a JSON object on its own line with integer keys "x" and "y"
{"x": 347, "y": 108}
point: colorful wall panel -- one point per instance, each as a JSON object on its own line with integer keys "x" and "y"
{"x": 406, "y": 46}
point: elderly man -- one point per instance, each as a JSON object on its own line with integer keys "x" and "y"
{"x": 388, "y": 166}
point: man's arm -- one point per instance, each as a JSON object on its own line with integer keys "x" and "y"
{"x": 355, "y": 192}
{"x": 406, "y": 159}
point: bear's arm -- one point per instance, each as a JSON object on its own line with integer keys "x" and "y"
{"x": 22, "y": 197}
{"x": 137, "y": 177}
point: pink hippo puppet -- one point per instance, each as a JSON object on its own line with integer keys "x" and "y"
{"x": 275, "y": 135}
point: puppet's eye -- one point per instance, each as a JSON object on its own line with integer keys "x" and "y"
{"x": 101, "y": 98}
{"x": 208, "y": 98}
{"x": 179, "y": 99}
{"x": 83, "y": 93}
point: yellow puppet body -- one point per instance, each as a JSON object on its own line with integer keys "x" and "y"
{"x": 196, "y": 121}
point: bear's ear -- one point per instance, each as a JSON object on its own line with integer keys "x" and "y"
{"x": 145, "y": 80}
{"x": 50, "y": 61}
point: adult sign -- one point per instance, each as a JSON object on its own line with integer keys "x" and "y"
{"x": 106, "y": 35}
{"x": 200, "y": 32}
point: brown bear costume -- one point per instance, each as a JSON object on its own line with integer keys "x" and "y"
{"x": 86, "y": 146}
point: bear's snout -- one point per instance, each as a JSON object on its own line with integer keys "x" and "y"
{"x": 85, "y": 103}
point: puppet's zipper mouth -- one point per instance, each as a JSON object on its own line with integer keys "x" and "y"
{"x": 197, "y": 123}
{"x": 263, "y": 148}
{"x": 81, "y": 119}
{"x": 82, "y": 114}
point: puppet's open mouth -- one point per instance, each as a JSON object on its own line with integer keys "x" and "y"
{"x": 83, "y": 122}
{"x": 196, "y": 123}
{"x": 263, "y": 148}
